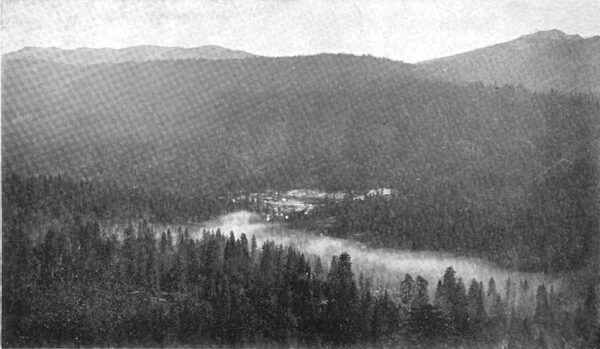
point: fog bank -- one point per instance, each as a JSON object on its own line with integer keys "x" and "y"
{"x": 386, "y": 266}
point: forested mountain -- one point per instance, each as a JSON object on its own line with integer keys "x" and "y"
{"x": 466, "y": 159}
{"x": 330, "y": 121}
{"x": 542, "y": 61}
{"x": 88, "y": 56}
{"x": 180, "y": 123}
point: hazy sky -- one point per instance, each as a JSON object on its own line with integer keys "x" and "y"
{"x": 409, "y": 30}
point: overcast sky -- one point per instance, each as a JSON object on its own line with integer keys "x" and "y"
{"x": 408, "y": 30}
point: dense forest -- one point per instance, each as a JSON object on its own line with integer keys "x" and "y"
{"x": 35, "y": 201}
{"x": 76, "y": 287}
{"x": 545, "y": 233}
{"x": 73, "y": 284}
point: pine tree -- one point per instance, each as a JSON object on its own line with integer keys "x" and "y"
{"x": 497, "y": 320}
{"x": 492, "y": 288}
{"x": 169, "y": 243}
{"x": 342, "y": 300}
{"x": 425, "y": 324}
{"x": 243, "y": 246}
{"x": 386, "y": 319}
{"x": 253, "y": 247}
{"x": 439, "y": 298}
{"x": 491, "y": 293}
{"x": 451, "y": 299}
{"x": 223, "y": 310}
{"x": 407, "y": 292}
{"x": 421, "y": 296}
{"x": 318, "y": 269}
{"x": 459, "y": 309}
{"x": 152, "y": 276}
{"x": 586, "y": 317}
{"x": 542, "y": 309}
{"x": 510, "y": 293}
{"x": 163, "y": 243}
{"x": 128, "y": 253}
{"x": 366, "y": 309}
{"x": 475, "y": 308}
{"x": 303, "y": 307}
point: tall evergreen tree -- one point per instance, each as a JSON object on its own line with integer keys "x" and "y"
{"x": 421, "y": 296}
{"x": 407, "y": 292}
{"x": 341, "y": 301}
{"x": 425, "y": 325}
{"x": 475, "y": 308}
{"x": 586, "y": 317}
{"x": 451, "y": 299}
{"x": 542, "y": 308}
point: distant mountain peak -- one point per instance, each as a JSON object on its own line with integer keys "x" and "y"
{"x": 542, "y": 61}
{"x": 86, "y": 55}
{"x": 549, "y": 35}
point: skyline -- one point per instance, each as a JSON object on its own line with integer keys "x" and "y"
{"x": 408, "y": 30}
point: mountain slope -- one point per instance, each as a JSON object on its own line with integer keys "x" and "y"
{"x": 332, "y": 121}
{"x": 176, "y": 111}
{"x": 517, "y": 167}
{"x": 86, "y": 56}
{"x": 541, "y": 62}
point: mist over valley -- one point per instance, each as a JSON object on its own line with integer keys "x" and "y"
{"x": 386, "y": 266}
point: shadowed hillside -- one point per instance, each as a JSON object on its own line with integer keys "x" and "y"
{"x": 330, "y": 121}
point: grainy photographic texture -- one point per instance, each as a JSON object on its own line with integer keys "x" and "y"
{"x": 397, "y": 174}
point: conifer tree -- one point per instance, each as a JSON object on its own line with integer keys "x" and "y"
{"x": 451, "y": 299}
{"x": 542, "y": 308}
{"x": 407, "y": 292}
{"x": 475, "y": 308}
{"x": 253, "y": 247}
{"x": 586, "y": 317}
{"x": 421, "y": 296}
{"x": 491, "y": 292}
{"x": 341, "y": 302}
{"x": 386, "y": 319}
{"x": 163, "y": 243}
{"x": 425, "y": 325}
{"x": 366, "y": 310}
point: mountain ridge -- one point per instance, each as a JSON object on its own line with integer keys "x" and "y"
{"x": 542, "y": 61}
{"x": 139, "y": 53}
